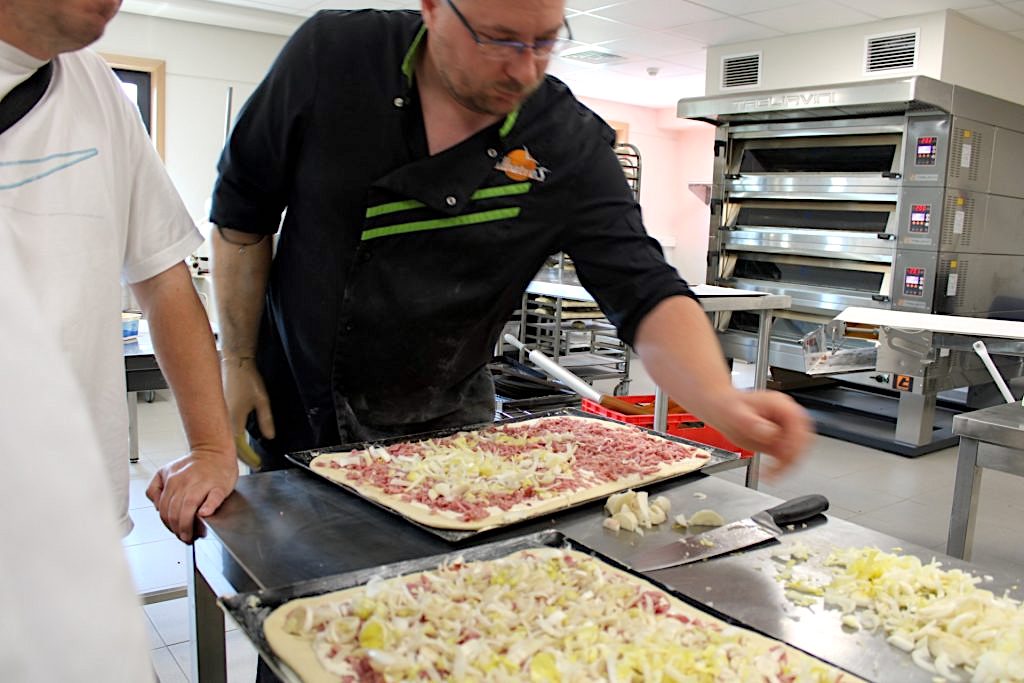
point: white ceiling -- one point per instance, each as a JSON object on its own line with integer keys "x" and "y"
{"x": 669, "y": 35}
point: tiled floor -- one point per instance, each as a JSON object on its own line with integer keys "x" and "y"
{"x": 906, "y": 498}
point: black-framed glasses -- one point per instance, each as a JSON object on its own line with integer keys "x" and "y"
{"x": 508, "y": 49}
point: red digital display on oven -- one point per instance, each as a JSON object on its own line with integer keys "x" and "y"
{"x": 913, "y": 281}
{"x": 927, "y": 148}
{"x": 920, "y": 217}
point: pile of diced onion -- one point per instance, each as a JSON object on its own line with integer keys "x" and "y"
{"x": 541, "y": 615}
{"x": 447, "y": 468}
{"x": 941, "y": 617}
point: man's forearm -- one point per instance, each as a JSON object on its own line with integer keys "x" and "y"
{"x": 681, "y": 353}
{"x": 241, "y": 268}
{"x": 188, "y": 358}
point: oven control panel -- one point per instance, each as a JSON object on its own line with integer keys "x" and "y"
{"x": 927, "y": 150}
{"x": 920, "y": 218}
{"x": 914, "y": 281}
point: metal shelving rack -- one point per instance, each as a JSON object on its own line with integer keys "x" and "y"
{"x": 577, "y": 336}
{"x": 629, "y": 159}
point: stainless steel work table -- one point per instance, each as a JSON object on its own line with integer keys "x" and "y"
{"x": 989, "y": 438}
{"x": 142, "y": 373}
{"x": 714, "y": 299}
{"x": 282, "y": 527}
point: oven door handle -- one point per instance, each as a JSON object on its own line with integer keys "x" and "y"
{"x": 879, "y": 297}
{"x": 885, "y": 236}
{"x": 893, "y": 175}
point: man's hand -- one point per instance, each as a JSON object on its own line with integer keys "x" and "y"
{"x": 190, "y": 487}
{"x": 680, "y": 350}
{"x": 766, "y": 422}
{"x": 245, "y": 392}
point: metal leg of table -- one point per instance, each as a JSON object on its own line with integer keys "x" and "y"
{"x": 764, "y": 328}
{"x": 522, "y": 328}
{"x": 133, "y": 427}
{"x": 206, "y": 626}
{"x": 660, "y": 410}
{"x": 965, "y": 500}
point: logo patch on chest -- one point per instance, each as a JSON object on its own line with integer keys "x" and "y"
{"x": 519, "y": 165}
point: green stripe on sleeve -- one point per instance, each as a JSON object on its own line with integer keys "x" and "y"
{"x": 437, "y": 224}
{"x": 501, "y": 191}
{"x": 404, "y": 205}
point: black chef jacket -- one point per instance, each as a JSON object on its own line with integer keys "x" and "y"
{"x": 396, "y": 270}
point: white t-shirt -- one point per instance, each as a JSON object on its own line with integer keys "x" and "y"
{"x": 70, "y": 612}
{"x": 86, "y": 202}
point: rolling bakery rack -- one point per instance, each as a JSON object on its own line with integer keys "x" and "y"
{"x": 565, "y": 323}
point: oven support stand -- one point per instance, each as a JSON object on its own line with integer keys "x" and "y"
{"x": 915, "y": 418}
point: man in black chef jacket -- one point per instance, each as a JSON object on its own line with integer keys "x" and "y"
{"x": 426, "y": 166}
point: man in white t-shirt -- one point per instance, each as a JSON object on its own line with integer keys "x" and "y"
{"x": 70, "y": 613}
{"x": 86, "y": 203}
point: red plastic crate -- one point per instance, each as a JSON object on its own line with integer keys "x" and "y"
{"x": 680, "y": 424}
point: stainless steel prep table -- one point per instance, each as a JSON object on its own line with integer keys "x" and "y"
{"x": 141, "y": 373}
{"x": 287, "y": 526}
{"x": 714, "y": 300}
{"x": 999, "y": 431}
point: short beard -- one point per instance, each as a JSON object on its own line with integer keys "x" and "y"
{"x": 479, "y": 104}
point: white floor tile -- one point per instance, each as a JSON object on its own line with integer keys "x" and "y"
{"x": 901, "y": 481}
{"x": 158, "y": 565}
{"x": 155, "y": 641}
{"x": 170, "y": 618}
{"x": 141, "y": 469}
{"x": 148, "y": 527}
{"x": 166, "y": 667}
{"x": 998, "y": 548}
{"x": 854, "y": 498}
{"x": 908, "y": 520}
{"x": 137, "y": 493}
{"x": 240, "y": 655}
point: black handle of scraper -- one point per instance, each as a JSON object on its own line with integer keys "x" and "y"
{"x": 798, "y": 509}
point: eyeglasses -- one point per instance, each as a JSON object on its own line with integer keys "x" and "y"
{"x": 508, "y": 49}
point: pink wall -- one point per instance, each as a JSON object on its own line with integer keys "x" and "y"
{"x": 673, "y": 153}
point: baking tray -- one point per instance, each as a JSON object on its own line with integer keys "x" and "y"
{"x": 304, "y": 458}
{"x": 250, "y": 610}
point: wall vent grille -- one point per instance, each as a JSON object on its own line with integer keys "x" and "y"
{"x": 890, "y": 52}
{"x": 741, "y": 71}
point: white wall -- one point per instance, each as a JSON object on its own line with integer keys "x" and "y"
{"x": 673, "y": 153}
{"x": 202, "y": 61}
{"x": 982, "y": 59}
{"x": 830, "y": 56}
{"x": 951, "y": 48}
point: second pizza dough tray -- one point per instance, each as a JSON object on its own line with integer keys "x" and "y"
{"x": 304, "y": 458}
{"x": 250, "y": 610}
